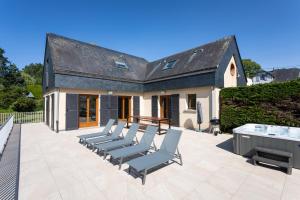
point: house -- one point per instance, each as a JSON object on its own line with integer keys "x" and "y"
{"x": 262, "y": 77}
{"x": 30, "y": 95}
{"x": 85, "y": 85}
{"x": 281, "y": 75}
{"x": 249, "y": 82}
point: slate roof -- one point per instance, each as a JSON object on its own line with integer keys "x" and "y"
{"x": 205, "y": 57}
{"x": 263, "y": 72}
{"x": 79, "y": 58}
{"x": 281, "y": 75}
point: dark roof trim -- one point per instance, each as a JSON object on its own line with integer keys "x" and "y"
{"x": 88, "y": 75}
{"x": 239, "y": 54}
{"x": 184, "y": 75}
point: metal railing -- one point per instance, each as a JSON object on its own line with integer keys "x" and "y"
{"x": 23, "y": 117}
{"x": 5, "y": 130}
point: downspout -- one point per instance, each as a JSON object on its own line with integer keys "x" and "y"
{"x": 57, "y": 115}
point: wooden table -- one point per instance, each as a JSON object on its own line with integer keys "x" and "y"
{"x": 156, "y": 120}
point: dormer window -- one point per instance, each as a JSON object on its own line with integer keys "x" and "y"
{"x": 120, "y": 64}
{"x": 169, "y": 65}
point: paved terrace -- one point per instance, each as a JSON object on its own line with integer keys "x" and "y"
{"x": 56, "y": 166}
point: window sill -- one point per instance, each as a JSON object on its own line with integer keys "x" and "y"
{"x": 190, "y": 111}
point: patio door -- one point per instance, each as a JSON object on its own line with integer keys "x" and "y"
{"x": 88, "y": 110}
{"x": 124, "y": 107}
{"x": 165, "y": 106}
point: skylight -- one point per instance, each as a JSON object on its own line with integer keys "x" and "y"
{"x": 121, "y": 64}
{"x": 169, "y": 64}
{"x": 192, "y": 56}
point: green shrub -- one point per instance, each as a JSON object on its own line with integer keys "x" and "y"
{"x": 274, "y": 103}
{"x": 36, "y": 90}
{"x": 24, "y": 104}
{"x": 39, "y": 104}
{"x": 9, "y": 95}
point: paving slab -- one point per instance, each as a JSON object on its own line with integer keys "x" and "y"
{"x": 56, "y": 166}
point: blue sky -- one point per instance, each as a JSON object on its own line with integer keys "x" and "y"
{"x": 267, "y": 31}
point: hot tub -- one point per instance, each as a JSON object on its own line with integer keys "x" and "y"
{"x": 249, "y": 136}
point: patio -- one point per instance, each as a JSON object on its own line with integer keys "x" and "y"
{"x": 56, "y": 166}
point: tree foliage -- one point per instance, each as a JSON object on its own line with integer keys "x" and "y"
{"x": 251, "y": 67}
{"x": 35, "y": 70}
{"x": 24, "y": 104}
{"x": 14, "y": 89}
{"x": 9, "y": 73}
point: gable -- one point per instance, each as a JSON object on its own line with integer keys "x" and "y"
{"x": 232, "y": 52}
{"x": 48, "y": 74}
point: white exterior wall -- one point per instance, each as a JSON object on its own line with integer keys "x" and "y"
{"x": 62, "y": 94}
{"x": 230, "y": 80}
{"x": 257, "y": 79}
{"x": 55, "y": 114}
{"x": 62, "y": 111}
{"x": 208, "y": 96}
{"x": 187, "y": 118}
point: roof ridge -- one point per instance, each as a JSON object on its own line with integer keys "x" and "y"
{"x": 94, "y": 45}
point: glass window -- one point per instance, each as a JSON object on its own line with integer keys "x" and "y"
{"x": 192, "y": 101}
{"x": 121, "y": 64}
{"x": 82, "y": 108}
{"x": 170, "y": 64}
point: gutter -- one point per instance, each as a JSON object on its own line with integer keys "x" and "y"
{"x": 136, "y": 81}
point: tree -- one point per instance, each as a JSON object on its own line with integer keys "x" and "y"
{"x": 12, "y": 84}
{"x": 9, "y": 95}
{"x": 24, "y": 104}
{"x": 35, "y": 70}
{"x": 251, "y": 67}
{"x": 9, "y": 73}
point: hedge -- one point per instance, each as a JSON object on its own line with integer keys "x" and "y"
{"x": 274, "y": 103}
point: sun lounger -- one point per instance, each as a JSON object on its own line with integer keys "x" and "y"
{"x": 116, "y": 135}
{"x": 166, "y": 153}
{"x": 127, "y": 141}
{"x": 141, "y": 148}
{"x": 105, "y": 132}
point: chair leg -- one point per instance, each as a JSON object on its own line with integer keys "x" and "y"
{"x": 179, "y": 156}
{"x": 144, "y": 176}
{"x": 254, "y": 162}
{"x": 120, "y": 163}
{"x": 289, "y": 170}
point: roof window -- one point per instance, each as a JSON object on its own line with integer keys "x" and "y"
{"x": 169, "y": 65}
{"x": 121, "y": 64}
{"x": 192, "y": 56}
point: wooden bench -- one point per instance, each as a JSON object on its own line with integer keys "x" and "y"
{"x": 274, "y": 157}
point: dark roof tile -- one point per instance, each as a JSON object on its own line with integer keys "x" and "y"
{"x": 79, "y": 58}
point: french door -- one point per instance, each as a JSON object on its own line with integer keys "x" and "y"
{"x": 164, "y": 106}
{"x": 124, "y": 107}
{"x": 88, "y": 110}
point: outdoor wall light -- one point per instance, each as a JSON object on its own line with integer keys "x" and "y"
{"x": 162, "y": 92}
{"x": 110, "y": 92}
